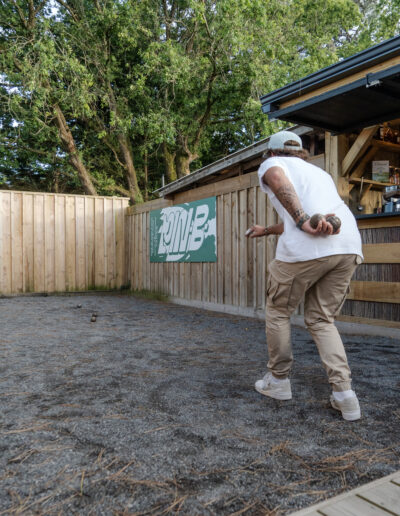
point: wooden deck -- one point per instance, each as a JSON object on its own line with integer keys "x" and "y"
{"x": 378, "y": 498}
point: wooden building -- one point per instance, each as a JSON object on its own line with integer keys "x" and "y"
{"x": 357, "y": 103}
{"x": 348, "y": 115}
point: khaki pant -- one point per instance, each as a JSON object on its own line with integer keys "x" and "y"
{"x": 325, "y": 284}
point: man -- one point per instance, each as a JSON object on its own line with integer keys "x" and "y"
{"x": 315, "y": 263}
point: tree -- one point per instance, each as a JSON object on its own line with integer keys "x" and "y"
{"x": 43, "y": 78}
{"x": 106, "y": 96}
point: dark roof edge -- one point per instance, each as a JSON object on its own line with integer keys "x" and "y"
{"x": 364, "y": 59}
{"x": 227, "y": 161}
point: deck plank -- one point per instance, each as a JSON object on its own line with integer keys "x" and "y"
{"x": 378, "y": 498}
{"x": 385, "y": 495}
{"x": 353, "y": 505}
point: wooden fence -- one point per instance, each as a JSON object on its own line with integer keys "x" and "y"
{"x": 237, "y": 279}
{"x": 52, "y": 242}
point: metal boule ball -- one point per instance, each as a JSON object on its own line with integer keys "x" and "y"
{"x": 335, "y": 221}
{"x": 314, "y": 220}
{"x": 93, "y": 319}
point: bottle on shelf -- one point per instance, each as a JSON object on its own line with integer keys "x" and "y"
{"x": 387, "y": 134}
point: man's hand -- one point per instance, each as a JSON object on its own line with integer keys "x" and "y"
{"x": 324, "y": 227}
{"x": 256, "y": 231}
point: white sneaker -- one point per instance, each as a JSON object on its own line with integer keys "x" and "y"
{"x": 349, "y": 407}
{"x": 274, "y": 388}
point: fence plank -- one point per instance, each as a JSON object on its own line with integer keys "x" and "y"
{"x": 80, "y": 252}
{"x": 120, "y": 249}
{"x": 109, "y": 242}
{"x": 17, "y": 281}
{"x": 60, "y": 249}
{"x": 99, "y": 251}
{"x": 38, "y": 243}
{"x": 27, "y": 228}
{"x": 242, "y": 248}
{"x": 89, "y": 241}
{"x": 49, "y": 237}
{"x": 250, "y": 247}
{"x": 261, "y": 250}
{"x": 70, "y": 243}
{"x": 227, "y": 200}
{"x": 5, "y": 235}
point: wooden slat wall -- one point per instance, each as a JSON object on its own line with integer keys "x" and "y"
{"x": 238, "y": 276}
{"x": 375, "y": 289}
{"x": 55, "y": 243}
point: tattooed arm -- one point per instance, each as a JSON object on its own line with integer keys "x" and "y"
{"x": 284, "y": 190}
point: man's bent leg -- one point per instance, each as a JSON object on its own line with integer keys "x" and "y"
{"x": 277, "y": 326}
{"x": 287, "y": 283}
{"x": 323, "y": 302}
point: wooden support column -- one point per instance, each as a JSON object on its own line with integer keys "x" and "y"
{"x": 335, "y": 149}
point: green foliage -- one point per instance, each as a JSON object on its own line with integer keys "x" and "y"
{"x": 147, "y": 84}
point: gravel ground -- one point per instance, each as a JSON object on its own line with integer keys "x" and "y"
{"x": 151, "y": 410}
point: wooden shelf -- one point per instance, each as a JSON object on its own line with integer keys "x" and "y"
{"x": 376, "y": 185}
{"x": 388, "y": 146}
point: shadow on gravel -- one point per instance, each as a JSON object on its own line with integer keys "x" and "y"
{"x": 151, "y": 410}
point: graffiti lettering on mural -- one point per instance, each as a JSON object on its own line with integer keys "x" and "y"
{"x": 184, "y": 233}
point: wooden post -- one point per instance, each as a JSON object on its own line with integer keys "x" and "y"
{"x": 335, "y": 150}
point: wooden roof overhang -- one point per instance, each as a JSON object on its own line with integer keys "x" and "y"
{"x": 356, "y": 92}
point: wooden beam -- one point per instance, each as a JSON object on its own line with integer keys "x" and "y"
{"x": 368, "y": 320}
{"x": 375, "y": 291}
{"x": 335, "y": 150}
{"x": 358, "y": 148}
{"x": 157, "y": 204}
{"x": 381, "y": 253}
{"x": 222, "y": 187}
{"x": 379, "y": 222}
{"x": 360, "y": 168}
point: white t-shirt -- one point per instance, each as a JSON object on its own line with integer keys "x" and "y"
{"x": 317, "y": 194}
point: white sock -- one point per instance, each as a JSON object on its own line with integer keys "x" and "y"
{"x": 342, "y": 395}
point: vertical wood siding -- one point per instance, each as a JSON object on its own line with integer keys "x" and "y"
{"x": 238, "y": 276}
{"x": 56, "y": 243}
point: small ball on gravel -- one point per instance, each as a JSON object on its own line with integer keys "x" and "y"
{"x": 335, "y": 221}
{"x": 314, "y": 221}
{"x": 93, "y": 319}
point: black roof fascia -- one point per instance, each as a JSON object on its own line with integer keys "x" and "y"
{"x": 369, "y": 81}
{"x": 350, "y": 65}
{"x": 279, "y": 113}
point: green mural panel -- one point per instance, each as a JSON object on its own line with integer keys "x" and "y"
{"x": 185, "y": 232}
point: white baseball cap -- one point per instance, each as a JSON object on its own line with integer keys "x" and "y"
{"x": 278, "y": 141}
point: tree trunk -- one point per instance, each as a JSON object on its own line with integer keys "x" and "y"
{"x": 126, "y": 153}
{"x": 169, "y": 158}
{"x": 183, "y": 160}
{"x": 69, "y": 146}
{"x": 182, "y": 165}
{"x": 130, "y": 172}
